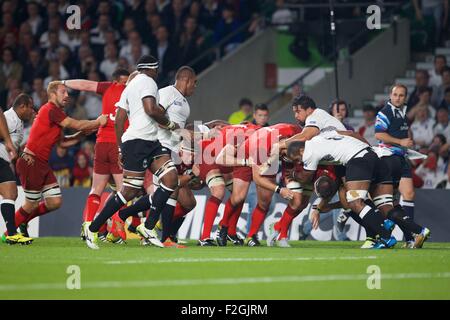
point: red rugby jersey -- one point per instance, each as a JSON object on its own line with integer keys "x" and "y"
{"x": 111, "y": 92}
{"x": 45, "y": 131}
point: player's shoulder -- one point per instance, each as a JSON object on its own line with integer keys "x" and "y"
{"x": 386, "y": 110}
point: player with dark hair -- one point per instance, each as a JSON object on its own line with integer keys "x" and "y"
{"x": 11, "y": 136}
{"x": 141, "y": 150}
{"x": 106, "y": 155}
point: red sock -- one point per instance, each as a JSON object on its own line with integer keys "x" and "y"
{"x": 103, "y": 228}
{"x": 92, "y": 204}
{"x": 285, "y": 223}
{"x": 227, "y": 213}
{"x": 135, "y": 221}
{"x": 233, "y": 221}
{"x": 39, "y": 211}
{"x": 21, "y": 216}
{"x": 212, "y": 205}
{"x": 258, "y": 217}
{"x": 180, "y": 212}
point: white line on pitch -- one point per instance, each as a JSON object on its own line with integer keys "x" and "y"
{"x": 203, "y": 260}
{"x": 224, "y": 281}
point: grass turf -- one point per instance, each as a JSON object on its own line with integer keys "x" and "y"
{"x": 309, "y": 270}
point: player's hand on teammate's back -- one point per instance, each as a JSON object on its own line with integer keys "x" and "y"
{"x": 103, "y": 119}
{"x": 407, "y": 143}
{"x": 286, "y": 193}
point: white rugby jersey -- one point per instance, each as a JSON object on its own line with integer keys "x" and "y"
{"x": 15, "y": 128}
{"x": 323, "y": 121}
{"x": 177, "y": 110}
{"x": 331, "y": 148}
{"x": 142, "y": 126}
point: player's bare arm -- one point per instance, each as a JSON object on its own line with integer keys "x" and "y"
{"x": 81, "y": 85}
{"x": 71, "y": 140}
{"x": 307, "y": 134}
{"x": 4, "y": 134}
{"x": 353, "y": 135}
{"x": 387, "y": 138}
{"x": 157, "y": 113}
{"x": 84, "y": 125}
{"x": 119, "y": 126}
{"x": 265, "y": 183}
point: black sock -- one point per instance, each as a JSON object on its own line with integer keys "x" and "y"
{"x": 112, "y": 205}
{"x": 369, "y": 232}
{"x": 408, "y": 210}
{"x": 141, "y": 205}
{"x": 373, "y": 220}
{"x": 159, "y": 200}
{"x": 7, "y": 208}
{"x": 176, "y": 225}
{"x": 166, "y": 217}
{"x": 405, "y": 223}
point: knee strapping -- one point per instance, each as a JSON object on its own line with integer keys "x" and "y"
{"x": 352, "y": 195}
{"x": 383, "y": 200}
{"x": 133, "y": 182}
{"x": 54, "y": 191}
{"x": 165, "y": 169}
{"x": 215, "y": 180}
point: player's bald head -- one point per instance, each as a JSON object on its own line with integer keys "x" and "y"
{"x": 184, "y": 72}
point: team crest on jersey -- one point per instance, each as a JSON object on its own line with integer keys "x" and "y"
{"x": 145, "y": 163}
{"x": 177, "y": 103}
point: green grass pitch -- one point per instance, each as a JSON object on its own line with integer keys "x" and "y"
{"x": 309, "y": 270}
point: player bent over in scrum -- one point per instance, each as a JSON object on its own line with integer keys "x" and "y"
{"x": 362, "y": 169}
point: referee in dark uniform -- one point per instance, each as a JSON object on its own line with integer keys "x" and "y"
{"x": 392, "y": 131}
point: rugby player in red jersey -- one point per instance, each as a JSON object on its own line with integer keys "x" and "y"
{"x": 229, "y": 139}
{"x": 255, "y": 151}
{"x": 106, "y": 155}
{"x": 36, "y": 176}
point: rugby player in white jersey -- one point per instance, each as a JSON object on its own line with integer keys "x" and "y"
{"x": 11, "y": 136}
{"x": 141, "y": 150}
{"x": 173, "y": 100}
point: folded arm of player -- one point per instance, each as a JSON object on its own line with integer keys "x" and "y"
{"x": 387, "y": 138}
{"x": 157, "y": 113}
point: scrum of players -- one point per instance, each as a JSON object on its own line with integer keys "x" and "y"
{"x": 162, "y": 159}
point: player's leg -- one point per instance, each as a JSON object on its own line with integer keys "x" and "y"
{"x": 100, "y": 177}
{"x": 264, "y": 197}
{"x": 99, "y": 182}
{"x": 39, "y": 182}
{"x": 8, "y": 193}
{"x": 216, "y": 184}
{"x": 167, "y": 216}
{"x": 186, "y": 203}
{"x": 383, "y": 199}
{"x": 245, "y": 176}
{"x": 406, "y": 189}
{"x": 295, "y": 206}
{"x": 233, "y": 207}
{"x": 165, "y": 171}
